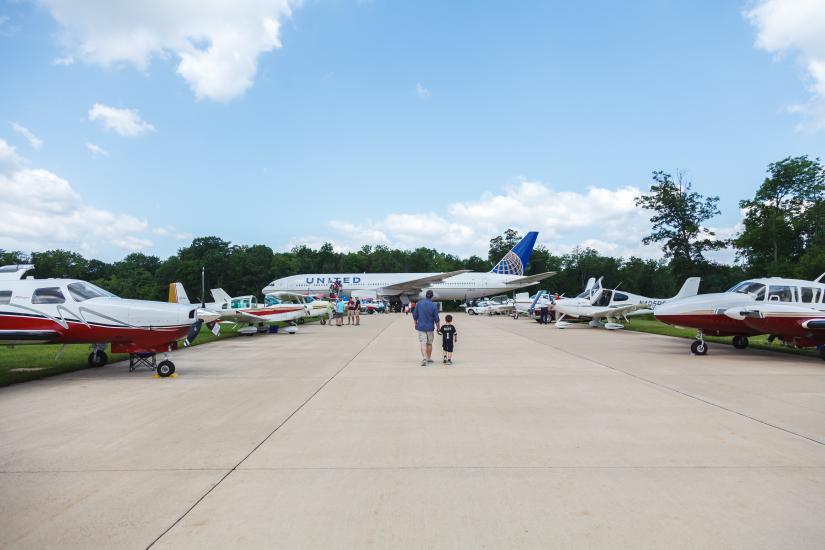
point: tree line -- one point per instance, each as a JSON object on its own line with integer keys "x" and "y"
{"x": 783, "y": 234}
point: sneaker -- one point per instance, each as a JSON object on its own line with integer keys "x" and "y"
{"x": 429, "y": 360}
{"x": 449, "y": 361}
{"x": 423, "y": 362}
{"x": 445, "y": 360}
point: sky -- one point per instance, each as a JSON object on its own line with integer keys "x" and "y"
{"x": 135, "y": 126}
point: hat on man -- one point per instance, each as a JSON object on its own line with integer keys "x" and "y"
{"x": 429, "y": 294}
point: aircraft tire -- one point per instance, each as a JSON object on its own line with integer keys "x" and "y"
{"x": 471, "y": 311}
{"x": 822, "y": 351}
{"x": 301, "y": 321}
{"x": 699, "y": 347}
{"x": 166, "y": 368}
{"x": 98, "y": 358}
{"x": 740, "y": 342}
{"x": 323, "y": 321}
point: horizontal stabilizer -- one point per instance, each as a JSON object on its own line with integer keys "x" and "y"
{"x": 530, "y": 279}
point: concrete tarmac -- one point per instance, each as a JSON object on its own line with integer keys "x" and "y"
{"x": 338, "y": 438}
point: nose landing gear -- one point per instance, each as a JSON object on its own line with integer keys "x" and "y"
{"x": 699, "y": 347}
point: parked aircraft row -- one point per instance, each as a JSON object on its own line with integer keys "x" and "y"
{"x": 789, "y": 310}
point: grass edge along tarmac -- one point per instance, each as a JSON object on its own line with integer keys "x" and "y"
{"x": 32, "y": 362}
{"x": 646, "y": 323}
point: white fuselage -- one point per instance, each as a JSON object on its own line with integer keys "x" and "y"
{"x": 459, "y": 287}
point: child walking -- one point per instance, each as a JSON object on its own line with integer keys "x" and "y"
{"x": 449, "y": 337}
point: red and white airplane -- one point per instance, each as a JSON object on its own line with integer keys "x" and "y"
{"x": 246, "y": 309}
{"x": 69, "y": 311}
{"x": 791, "y": 310}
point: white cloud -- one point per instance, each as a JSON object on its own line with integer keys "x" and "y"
{"x": 170, "y": 231}
{"x": 421, "y": 91}
{"x": 41, "y": 210}
{"x": 798, "y": 26}
{"x": 33, "y": 140}
{"x": 64, "y": 61}
{"x": 217, "y": 42}
{"x": 96, "y": 150}
{"x": 605, "y": 219}
{"x": 126, "y": 122}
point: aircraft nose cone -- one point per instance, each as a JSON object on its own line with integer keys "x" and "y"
{"x": 206, "y": 316}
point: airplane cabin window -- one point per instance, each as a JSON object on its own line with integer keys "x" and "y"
{"x": 48, "y": 295}
{"x": 781, "y": 293}
{"x": 619, "y": 297}
{"x": 5, "y": 297}
{"x": 84, "y": 291}
{"x": 809, "y": 295}
{"x": 749, "y": 287}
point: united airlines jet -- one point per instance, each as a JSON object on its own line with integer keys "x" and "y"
{"x": 507, "y": 275}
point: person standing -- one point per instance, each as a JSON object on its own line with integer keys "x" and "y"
{"x": 426, "y": 320}
{"x": 341, "y": 307}
{"x": 350, "y": 312}
{"x": 545, "y": 310}
{"x": 357, "y": 311}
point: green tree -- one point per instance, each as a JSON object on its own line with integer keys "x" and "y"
{"x": 784, "y": 217}
{"x": 502, "y": 244}
{"x": 59, "y": 264}
{"x": 679, "y": 215}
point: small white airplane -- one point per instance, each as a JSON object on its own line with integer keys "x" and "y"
{"x": 506, "y": 276}
{"x": 315, "y": 308}
{"x": 245, "y": 310}
{"x": 69, "y": 311}
{"x": 605, "y": 307}
{"x": 788, "y": 309}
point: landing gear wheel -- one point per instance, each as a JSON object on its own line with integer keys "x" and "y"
{"x": 323, "y": 321}
{"x": 98, "y": 358}
{"x": 166, "y": 368}
{"x": 699, "y": 347}
{"x": 740, "y": 342}
{"x": 301, "y": 321}
{"x": 471, "y": 312}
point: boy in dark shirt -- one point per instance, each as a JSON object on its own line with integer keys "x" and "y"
{"x": 449, "y": 336}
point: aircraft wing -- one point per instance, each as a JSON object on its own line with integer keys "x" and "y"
{"x": 614, "y": 312}
{"x": 423, "y": 282}
{"x": 531, "y": 278}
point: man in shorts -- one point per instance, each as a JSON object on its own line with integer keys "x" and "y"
{"x": 425, "y": 316}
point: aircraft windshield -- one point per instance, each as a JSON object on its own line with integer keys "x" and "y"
{"x": 241, "y": 303}
{"x": 81, "y": 291}
{"x": 757, "y": 290}
{"x": 271, "y": 300}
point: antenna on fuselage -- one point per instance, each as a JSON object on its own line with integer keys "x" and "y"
{"x": 203, "y": 287}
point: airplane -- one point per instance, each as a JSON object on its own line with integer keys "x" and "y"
{"x": 70, "y": 311}
{"x": 604, "y": 307}
{"x": 463, "y": 284}
{"x": 315, "y": 308}
{"x": 245, "y": 309}
{"x": 708, "y": 312}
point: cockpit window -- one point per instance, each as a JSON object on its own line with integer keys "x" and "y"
{"x": 757, "y": 290}
{"x": 809, "y": 295}
{"x": 781, "y": 293}
{"x": 48, "y": 295}
{"x": 241, "y": 303}
{"x": 81, "y": 291}
{"x": 5, "y": 297}
{"x": 271, "y": 300}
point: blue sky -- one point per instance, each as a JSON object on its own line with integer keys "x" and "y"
{"x": 404, "y": 123}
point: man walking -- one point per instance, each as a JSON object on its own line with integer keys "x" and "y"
{"x": 425, "y": 317}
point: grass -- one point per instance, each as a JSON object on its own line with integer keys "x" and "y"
{"x": 649, "y": 324}
{"x": 24, "y": 363}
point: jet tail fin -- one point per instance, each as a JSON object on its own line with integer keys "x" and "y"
{"x": 220, "y": 295}
{"x": 515, "y": 262}
{"x": 690, "y": 288}
{"x": 177, "y": 295}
